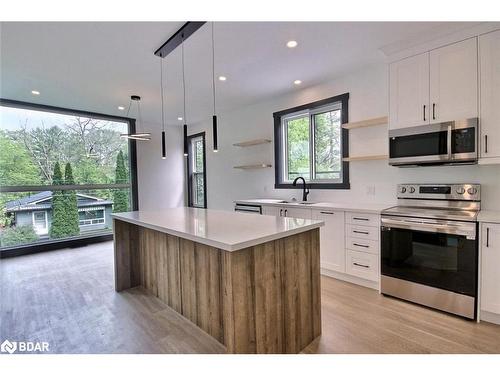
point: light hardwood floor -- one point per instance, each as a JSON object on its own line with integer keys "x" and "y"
{"x": 67, "y": 298}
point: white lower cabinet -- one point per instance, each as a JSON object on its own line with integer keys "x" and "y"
{"x": 359, "y": 244}
{"x": 300, "y": 213}
{"x": 490, "y": 267}
{"x": 363, "y": 265}
{"x": 332, "y": 249}
{"x": 349, "y": 241}
{"x": 270, "y": 210}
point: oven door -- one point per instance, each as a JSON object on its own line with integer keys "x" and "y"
{"x": 437, "y": 253}
{"x": 420, "y": 144}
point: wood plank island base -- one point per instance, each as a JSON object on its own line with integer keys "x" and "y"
{"x": 260, "y": 298}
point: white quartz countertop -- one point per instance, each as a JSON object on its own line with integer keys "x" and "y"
{"x": 489, "y": 216}
{"x": 343, "y": 206}
{"x": 225, "y": 230}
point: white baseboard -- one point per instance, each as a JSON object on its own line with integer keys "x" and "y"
{"x": 490, "y": 317}
{"x": 350, "y": 279}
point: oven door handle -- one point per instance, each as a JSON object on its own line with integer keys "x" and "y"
{"x": 460, "y": 229}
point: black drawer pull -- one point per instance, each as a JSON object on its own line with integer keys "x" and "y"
{"x": 361, "y": 218}
{"x": 360, "y": 232}
{"x": 357, "y": 244}
{"x": 326, "y": 213}
{"x": 361, "y": 265}
{"x": 487, "y": 237}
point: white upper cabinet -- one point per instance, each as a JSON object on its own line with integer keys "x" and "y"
{"x": 489, "y": 59}
{"x": 454, "y": 82}
{"x": 409, "y": 92}
{"x": 436, "y": 86}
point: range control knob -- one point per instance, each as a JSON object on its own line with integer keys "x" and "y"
{"x": 460, "y": 190}
{"x": 411, "y": 189}
{"x": 403, "y": 189}
{"x": 472, "y": 190}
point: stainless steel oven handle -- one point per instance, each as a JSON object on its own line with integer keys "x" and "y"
{"x": 466, "y": 229}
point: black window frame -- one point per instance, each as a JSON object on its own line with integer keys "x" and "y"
{"x": 279, "y": 147}
{"x": 82, "y": 240}
{"x": 189, "y": 170}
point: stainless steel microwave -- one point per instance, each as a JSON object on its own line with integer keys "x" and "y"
{"x": 450, "y": 142}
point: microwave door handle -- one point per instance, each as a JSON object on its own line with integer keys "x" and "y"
{"x": 448, "y": 140}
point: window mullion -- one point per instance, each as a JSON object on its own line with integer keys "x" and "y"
{"x": 312, "y": 161}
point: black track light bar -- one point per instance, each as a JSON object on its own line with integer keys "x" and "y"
{"x": 175, "y": 40}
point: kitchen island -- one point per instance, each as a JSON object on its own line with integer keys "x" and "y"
{"x": 250, "y": 281}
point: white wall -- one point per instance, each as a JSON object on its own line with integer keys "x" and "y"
{"x": 368, "y": 91}
{"x": 160, "y": 182}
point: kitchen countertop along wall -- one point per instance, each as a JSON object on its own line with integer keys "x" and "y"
{"x": 357, "y": 207}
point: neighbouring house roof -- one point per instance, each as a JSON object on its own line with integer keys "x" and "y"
{"x": 43, "y": 200}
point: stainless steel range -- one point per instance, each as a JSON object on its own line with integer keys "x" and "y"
{"x": 429, "y": 248}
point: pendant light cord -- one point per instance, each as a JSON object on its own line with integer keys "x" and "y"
{"x": 213, "y": 66}
{"x": 161, "y": 90}
{"x": 183, "y": 80}
{"x": 129, "y": 105}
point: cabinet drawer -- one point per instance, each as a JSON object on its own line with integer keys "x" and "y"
{"x": 362, "y": 219}
{"x": 363, "y": 265}
{"x": 364, "y": 245}
{"x": 358, "y": 231}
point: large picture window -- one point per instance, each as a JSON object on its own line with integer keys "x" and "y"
{"x": 310, "y": 143}
{"x": 62, "y": 174}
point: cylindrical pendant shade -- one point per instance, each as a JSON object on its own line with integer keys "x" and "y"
{"x": 214, "y": 132}
{"x": 163, "y": 145}
{"x": 185, "y": 140}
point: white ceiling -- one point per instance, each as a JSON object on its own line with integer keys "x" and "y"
{"x": 97, "y": 66}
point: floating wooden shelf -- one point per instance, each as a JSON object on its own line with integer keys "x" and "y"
{"x": 366, "y": 157}
{"x": 365, "y": 123}
{"x": 253, "y": 166}
{"x": 253, "y": 142}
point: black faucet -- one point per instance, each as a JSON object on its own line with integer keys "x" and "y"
{"x": 305, "y": 191}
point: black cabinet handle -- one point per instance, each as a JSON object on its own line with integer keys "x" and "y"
{"x": 433, "y": 111}
{"x": 281, "y": 212}
{"x": 361, "y": 265}
{"x": 360, "y": 218}
{"x": 360, "y": 232}
{"x": 326, "y": 213}
{"x": 487, "y": 237}
{"x": 359, "y": 245}
{"x": 424, "y": 112}
{"x": 486, "y": 144}
{"x": 286, "y": 213}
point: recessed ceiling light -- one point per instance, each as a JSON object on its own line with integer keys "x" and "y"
{"x": 121, "y": 108}
{"x": 297, "y": 82}
{"x": 222, "y": 78}
{"x": 179, "y": 118}
{"x": 292, "y": 44}
{"x": 34, "y": 92}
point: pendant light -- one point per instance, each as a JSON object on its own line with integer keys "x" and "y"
{"x": 163, "y": 135}
{"x": 214, "y": 117}
{"x": 184, "y": 100}
{"x": 136, "y": 136}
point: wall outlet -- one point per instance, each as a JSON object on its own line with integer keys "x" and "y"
{"x": 370, "y": 190}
